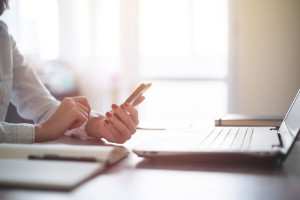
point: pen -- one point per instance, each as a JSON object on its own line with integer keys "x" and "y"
{"x": 151, "y": 129}
{"x": 64, "y": 158}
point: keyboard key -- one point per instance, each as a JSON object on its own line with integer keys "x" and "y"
{"x": 220, "y": 139}
{"x": 239, "y": 139}
{"x": 226, "y": 144}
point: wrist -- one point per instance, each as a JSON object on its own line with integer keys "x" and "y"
{"x": 38, "y": 133}
{"x": 41, "y": 133}
{"x": 93, "y": 126}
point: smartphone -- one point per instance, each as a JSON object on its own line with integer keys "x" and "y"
{"x": 138, "y": 92}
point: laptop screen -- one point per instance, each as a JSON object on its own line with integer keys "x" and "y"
{"x": 292, "y": 119}
{"x": 291, "y": 124}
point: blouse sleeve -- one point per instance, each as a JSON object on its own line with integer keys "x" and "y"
{"x": 17, "y": 133}
{"x": 9, "y": 133}
{"x": 31, "y": 98}
{"x": 29, "y": 95}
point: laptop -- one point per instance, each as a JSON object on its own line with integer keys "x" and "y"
{"x": 227, "y": 143}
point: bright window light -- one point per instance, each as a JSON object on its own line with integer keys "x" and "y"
{"x": 183, "y": 50}
{"x": 39, "y": 28}
{"x": 187, "y": 36}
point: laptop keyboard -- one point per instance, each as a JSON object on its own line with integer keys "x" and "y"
{"x": 222, "y": 138}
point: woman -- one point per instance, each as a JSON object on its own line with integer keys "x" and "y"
{"x": 20, "y": 86}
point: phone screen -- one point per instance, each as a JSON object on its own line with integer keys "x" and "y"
{"x": 138, "y": 92}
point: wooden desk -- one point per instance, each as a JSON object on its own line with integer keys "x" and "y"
{"x": 136, "y": 178}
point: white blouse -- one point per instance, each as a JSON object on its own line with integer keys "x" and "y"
{"x": 20, "y": 85}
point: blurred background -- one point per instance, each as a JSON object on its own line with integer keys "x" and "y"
{"x": 204, "y": 57}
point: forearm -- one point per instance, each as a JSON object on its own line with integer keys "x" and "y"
{"x": 42, "y": 133}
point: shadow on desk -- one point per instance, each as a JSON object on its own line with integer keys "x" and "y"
{"x": 289, "y": 167}
{"x": 77, "y": 141}
{"x": 211, "y": 166}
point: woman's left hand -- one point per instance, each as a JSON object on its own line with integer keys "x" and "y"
{"x": 118, "y": 125}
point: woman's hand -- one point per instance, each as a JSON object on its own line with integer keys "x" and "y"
{"x": 119, "y": 124}
{"x": 71, "y": 113}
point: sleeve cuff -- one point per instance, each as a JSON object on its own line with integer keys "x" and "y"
{"x": 25, "y": 133}
{"x": 79, "y": 132}
{"x": 17, "y": 133}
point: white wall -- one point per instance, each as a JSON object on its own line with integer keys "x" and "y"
{"x": 265, "y": 56}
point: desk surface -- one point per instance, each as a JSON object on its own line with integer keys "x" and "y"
{"x": 138, "y": 178}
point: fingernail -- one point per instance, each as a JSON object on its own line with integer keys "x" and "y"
{"x": 106, "y": 121}
{"x": 125, "y": 104}
{"x": 108, "y": 114}
{"x": 114, "y": 106}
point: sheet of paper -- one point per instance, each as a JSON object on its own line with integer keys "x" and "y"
{"x": 61, "y": 175}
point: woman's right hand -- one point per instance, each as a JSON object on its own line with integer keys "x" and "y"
{"x": 71, "y": 113}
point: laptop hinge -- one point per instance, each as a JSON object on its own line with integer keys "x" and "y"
{"x": 280, "y": 145}
{"x": 274, "y": 129}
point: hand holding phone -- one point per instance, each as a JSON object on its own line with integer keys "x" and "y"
{"x": 138, "y": 93}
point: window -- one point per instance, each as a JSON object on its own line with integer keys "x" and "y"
{"x": 183, "y": 51}
{"x": 178, "y": 45}
{"x": 39, "y": 28}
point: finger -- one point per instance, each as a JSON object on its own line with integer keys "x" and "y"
{"x": 73, "y": 113}
{"x": 107, "y": 132}
{"x": 118, "y": 125}
{"x": 133, "y": 113}
{"x": 80, "y": 118}
{"x": 77, "y": 107}
{"x": 124, "y": 117}
{"x": 82, "y": 100}
{"x": 139, "y": 101}
{"x": 82, "y": 108}
{"x": 114, "y": 135}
